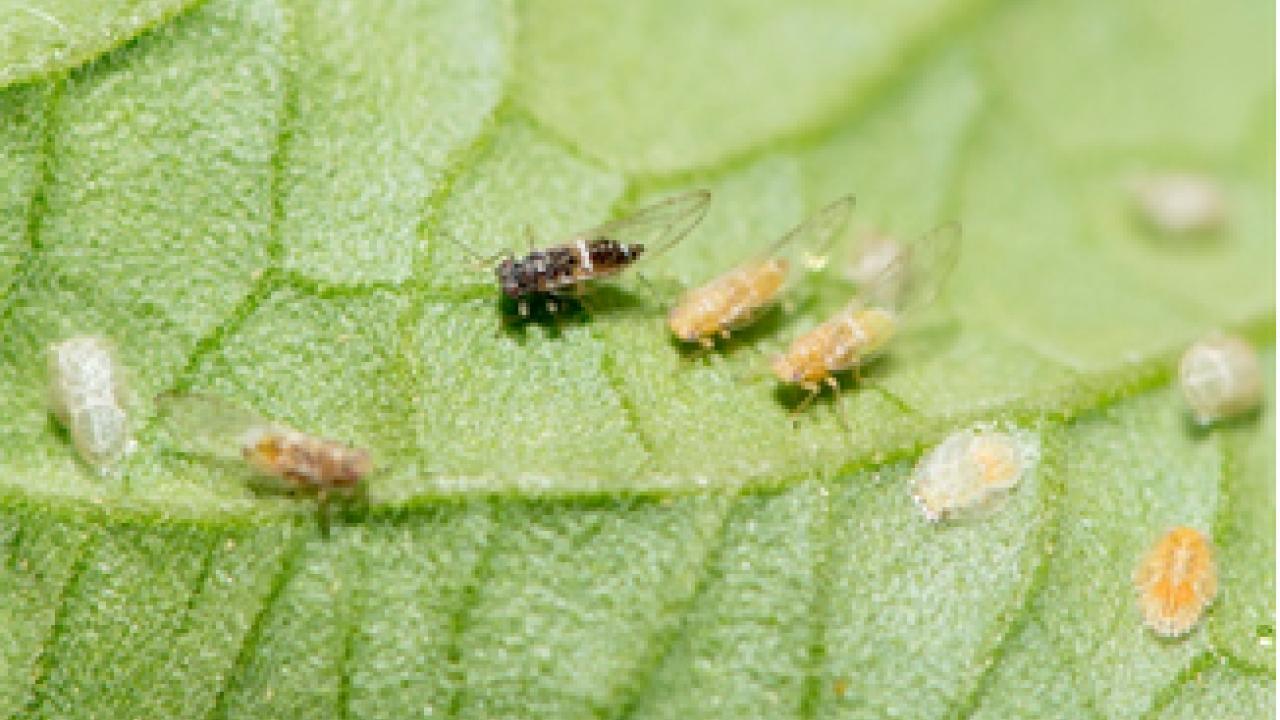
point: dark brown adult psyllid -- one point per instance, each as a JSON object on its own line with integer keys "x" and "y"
{"x": 603, "y": 251}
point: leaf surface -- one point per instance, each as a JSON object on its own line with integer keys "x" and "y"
{"x": 285, "y": 204}
{"x": 43, "y": 37}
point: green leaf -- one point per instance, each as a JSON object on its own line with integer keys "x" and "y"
{"x": 283, "y": 203}
{"x": 1217, "y": 690}
{"x": 43, "y": 37}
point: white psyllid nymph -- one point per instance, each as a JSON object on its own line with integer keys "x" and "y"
{"x": 1180, "y": 202}
{"x": 86, "y": 392}
{"x": 1220, "y": 377}
{"x": 970, "y": 467}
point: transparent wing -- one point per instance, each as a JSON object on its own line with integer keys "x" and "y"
{"x": 913, "y": 275}
{"x": 811, "y": 239}
{"x": 658, "y": 227}
{"x": 207, "y": 425}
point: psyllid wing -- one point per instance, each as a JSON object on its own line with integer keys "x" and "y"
{"x": 658, "y": 227}
{"x": 915, "y": 276}
{"x": 810, "y": 240}
{"x": 207, "y": 425}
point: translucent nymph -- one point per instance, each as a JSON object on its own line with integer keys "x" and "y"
{"x": 970, "y": 468}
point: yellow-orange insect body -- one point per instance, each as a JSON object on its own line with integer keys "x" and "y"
{"x": 737, "y": 297}
{"x": 836, "y": 345}
{"x": 211, "y": 426}
{"x": 1176, "y": 580}
{"x": 863, "y": 329}
{"x": 728, "y": 302}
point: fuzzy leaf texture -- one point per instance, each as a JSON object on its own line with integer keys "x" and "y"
{"x": 267, "y": 200}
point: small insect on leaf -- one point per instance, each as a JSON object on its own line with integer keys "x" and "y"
{"x": 970, "y": 468}
{"x": 1176, "y": 580}
{"x": 735, "y": 298}
{"x": 207, "y": 425}
{"x": 1220, "y": 377}
{"x": 86, "y": 393}
{"x": 600, "y": 252}
{"x": 864, "y": 328}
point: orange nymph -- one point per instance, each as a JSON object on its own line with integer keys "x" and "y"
{"x": 1176, "y": 581}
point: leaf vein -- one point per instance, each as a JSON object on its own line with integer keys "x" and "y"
{"x": 460, "y": 615}
{"x": 630, "y": 413}
{"x": 58, "y": 627}
{"x": 345, "y": 658}
{"x": 289, "y": 565}
{"x": 37, "y": 206}
{"x": 1167, "y": 694}
{"x": 126, "y": 33}
{"x": 202, "y": 576}
{"x": 680, "y": 610}
{"x": 966, "y": 705}
{"x": 819, "y": 618}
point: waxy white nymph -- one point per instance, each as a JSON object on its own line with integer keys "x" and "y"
{"x": 86, "y": 392}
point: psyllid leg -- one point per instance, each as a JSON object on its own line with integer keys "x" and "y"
{"x": 700, "y": 351}
{"x": 808, "y": 400}
{"x": 479, "y": 260}
{"x": 580, "y": 295}
{"x": 836, "y": 400}
{"x": 489, "y": 261}
{"x": 322, "y": 513}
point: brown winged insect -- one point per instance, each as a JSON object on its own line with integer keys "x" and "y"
{"x": 562, "y": 270}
